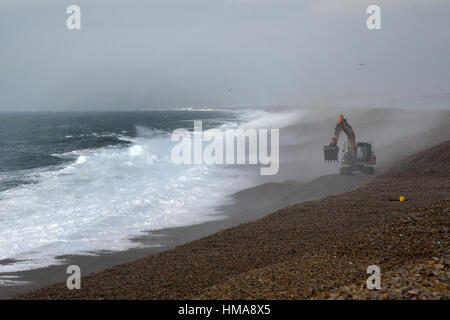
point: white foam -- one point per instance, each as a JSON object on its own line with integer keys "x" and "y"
{"x": 102, "y": 199}
{"x": 12, "y": 281}
{"x": 263, "y": 119}
{"x": 105, "y": 197}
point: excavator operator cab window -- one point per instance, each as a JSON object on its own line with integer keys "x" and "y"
{"x": 363, "y": 151}
{"x": 360, "y": 153}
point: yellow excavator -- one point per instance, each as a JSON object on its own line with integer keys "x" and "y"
{"x": 358, "y": 156}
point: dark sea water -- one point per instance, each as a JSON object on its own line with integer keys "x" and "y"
{"x": 36, "y": 140}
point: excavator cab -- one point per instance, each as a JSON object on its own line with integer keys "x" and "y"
{"x": 364, "y": 154}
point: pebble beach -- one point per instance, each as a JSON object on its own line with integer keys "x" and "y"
{"x": 313, "y": 250}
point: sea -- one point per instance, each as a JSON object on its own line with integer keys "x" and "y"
{"x": 87, "y": 182}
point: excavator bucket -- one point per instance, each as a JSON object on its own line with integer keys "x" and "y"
{"x": 331, "y": 153}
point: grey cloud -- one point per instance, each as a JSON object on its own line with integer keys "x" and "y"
{"x": 136, "y": 54}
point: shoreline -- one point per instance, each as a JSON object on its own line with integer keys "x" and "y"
{"x": 170, "y": 238}
{"x": 250, "y": 204}
{"x": 301, "y": 251}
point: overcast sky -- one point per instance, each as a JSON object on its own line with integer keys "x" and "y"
{"x": 133, "y": 54}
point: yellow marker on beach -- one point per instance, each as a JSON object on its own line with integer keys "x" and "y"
{"x": 402, "y": 198}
